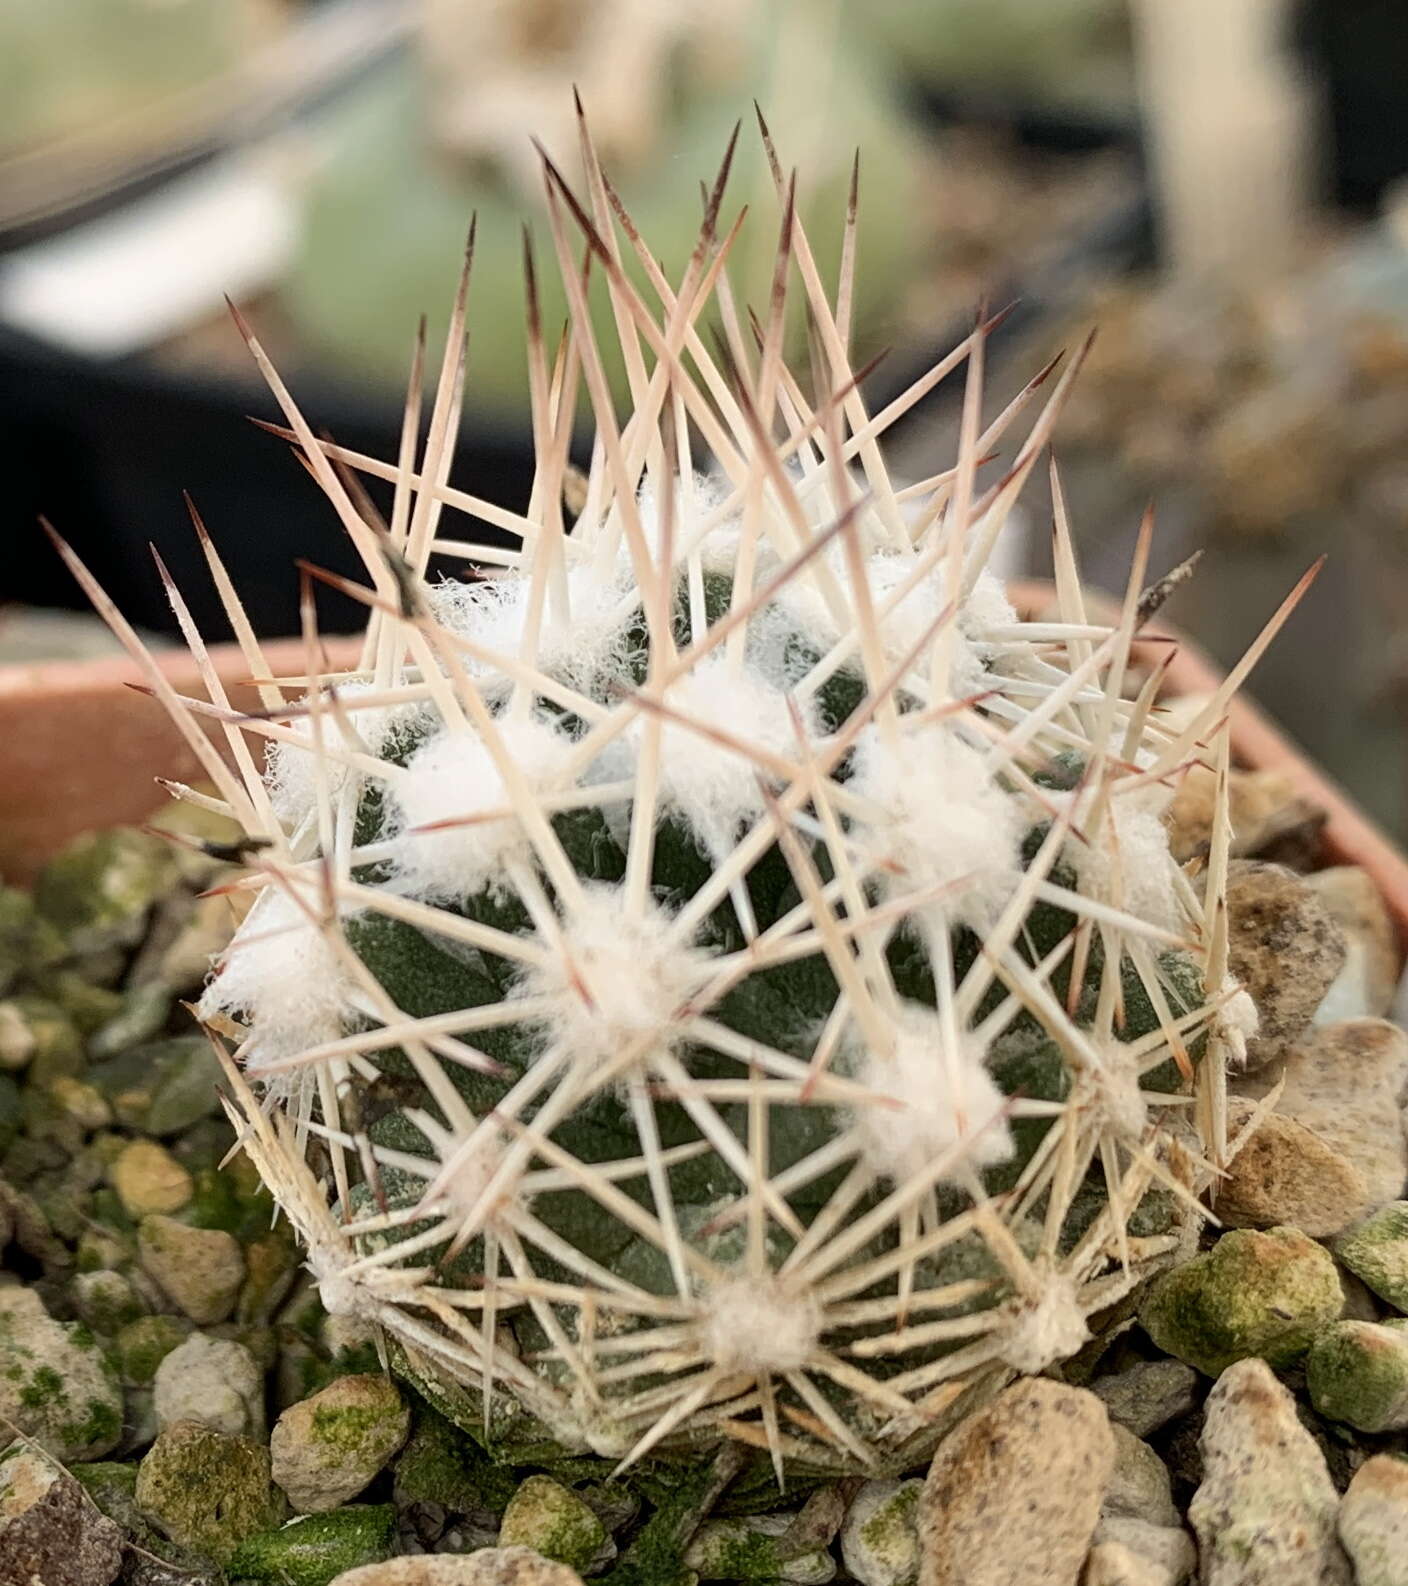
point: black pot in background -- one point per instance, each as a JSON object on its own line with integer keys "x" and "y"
{"x": 1358, "y": 50}
{"x": 105, "y": 450}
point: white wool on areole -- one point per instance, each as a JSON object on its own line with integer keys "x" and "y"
{"x": 454, "y": 778}
{"x": 909, "y": 626}
{"x": 1239, "y": 1019}
{"x": 983, "y": 610}
{"x": 945, "y": 1098}
{"x": 590, "y": 650}
{"x": 759, "y": 1325}
{"x": 717, "y": 550}
{"x": 621, "y": 975}
{"x": 1126, "y": 861}
{"x": 712, "y": 786}
{"x": 283, "y": 978}
{"x": 943, "y": 821}
{"x": 292, "y": 771}
{"x": 1047, "y": 1328}
{"x": 1116, "y": 1084}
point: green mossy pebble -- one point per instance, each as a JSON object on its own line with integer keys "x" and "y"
{"x": 36, "y": 1034}
{"x": 89, "y": 1006}
{"x": 144, "y": 1011}
{"x": 28, "y": 943}
{"x": 1376, "y": 1250}
{"x": 1264, "y": 1294}
{"x": 315, "y": 1548}
{"x": 57, "y": 1384}
{"x": 553, "y": 1521}
{"x": 205, "y": 1490}
{"x": 880, "y": 1536}
{"x": 141, "y": 1346}
{"x": 327, "y": 1448}
{"x": 753, "y": 1550}
{"x": 1357, "y": 1372}
{"x": 106, "y": 1301}
{"x": 98, "y": 890}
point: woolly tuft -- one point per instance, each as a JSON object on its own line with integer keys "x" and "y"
{"x": 756, "y": 1325}
{"x": 1046, "y": 1329}
{"x": 590, "y": 646}
{"x": 711, "y": 784}
{"x": 620, "y": 980}
{"x": 284, "y": 978}
{"x": 930, "y": 1098}
{"x": 444, "y": 851}
{"x": 941, "y": 820}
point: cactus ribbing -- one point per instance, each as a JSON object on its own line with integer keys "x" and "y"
{"x": 723, "y": 976}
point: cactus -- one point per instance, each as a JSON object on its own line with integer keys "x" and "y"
{"x": 721, "y": 976}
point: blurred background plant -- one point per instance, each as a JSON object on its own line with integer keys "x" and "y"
{"x": 1211, "y": 183}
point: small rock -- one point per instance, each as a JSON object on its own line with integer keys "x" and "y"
{"x": 312, "y": 1549}
{"x": 1148, "y": 1395}
{"x": 141, "y": 1346}
{"x": 1283, "y": 947}
{"x": 1253, "y": 1293}
{"x": 1164, "y": 1553}
{"x": 1013, "y": 1495}
{"x": 1139, "y": 1487}
{"x": 206, "y": 1491}
{"x": 489, "y": 1566}
{"x": 1262, "y": 805}
{"x": 49, "y": 1532}
{"x": 1373, "y": 1522}
{"x": 546, "y": 1516}
{"x": 271, "y": 1265}
{"x": 37, "y": 1034}
{"x": 1364, "y": 988}
{"x": 201, "y": 1269}
{"x": 880, "y": 1538}
{"x": 143, "y": 1014}
{"x": 84, "y": 1103}
{"x": 97, "y": 892}
{"x": 56, "y": 1384}
{"x": 1376, "y": 1251}
{"x": 164, "y": 1087}
{"x": 149, "y": 1179}
{"x": 1346, "y": 1082}
{"x": 1357, "y": 1372}
{"x": 105, "y": 1301}
{"x": 1113, "y": 1564}
{"x": 29, "y": 945}
{"x": 1285, "y": 1173}
{"x": 748, "y": 1549}
{"x": 327, "y": 1448}
{"x": 204, "y": 932}
{"x": 1265, "y": 1512}
{"x": 213, "y": 1381}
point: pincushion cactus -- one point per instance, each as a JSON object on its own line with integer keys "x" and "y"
{"x": 721, "y": 976}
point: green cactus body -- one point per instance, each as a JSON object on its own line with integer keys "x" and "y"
{"x": 722, "y": 975}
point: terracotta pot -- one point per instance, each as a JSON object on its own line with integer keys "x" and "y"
{"x": 79, "y": 746}
{"x": 1350, "y": 837}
